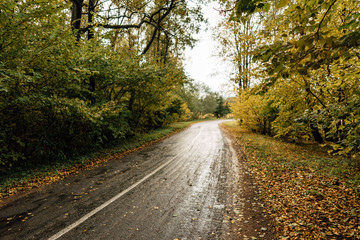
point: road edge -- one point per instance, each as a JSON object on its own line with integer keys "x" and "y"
{"x": 250, "y": 218}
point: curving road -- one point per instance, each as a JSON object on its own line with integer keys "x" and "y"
{"x": 180, "y": 188}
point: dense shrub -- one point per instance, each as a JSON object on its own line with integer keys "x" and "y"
{"x": 254, "y": 111}
{"x": 43, "y": 129}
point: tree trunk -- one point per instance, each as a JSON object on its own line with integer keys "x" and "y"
{"x": 315, "y": 132}
{"x": 91, "y": 10}
{"x": 313, "y": 124}
{"x": 76, "y": 12}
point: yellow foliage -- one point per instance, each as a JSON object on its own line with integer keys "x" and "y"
{"x": 248, "y": 109}
{"x": 186, "y": 112}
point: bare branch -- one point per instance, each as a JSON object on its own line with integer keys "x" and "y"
{"x": 158, "y": 27}
{"x": 328, "y": 10}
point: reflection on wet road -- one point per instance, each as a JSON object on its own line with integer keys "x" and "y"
{"x": 179, "y": 188}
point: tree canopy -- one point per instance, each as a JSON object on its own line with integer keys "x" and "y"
{"x": 305, "y": 58}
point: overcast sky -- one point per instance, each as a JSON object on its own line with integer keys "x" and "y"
{"x": 200, "y": 62}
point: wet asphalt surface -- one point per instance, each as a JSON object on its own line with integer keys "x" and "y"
{"x": 180, "y": 188}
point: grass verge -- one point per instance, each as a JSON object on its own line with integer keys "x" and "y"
{"x": 23, "y": 179}
{"x": 309, "y": 193}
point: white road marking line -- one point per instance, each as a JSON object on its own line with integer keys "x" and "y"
{"x": 107, "y": 203}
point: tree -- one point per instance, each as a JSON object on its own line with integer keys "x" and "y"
{"x": 67, "y": 89}
{"x": 237, "y": 40}
{"x": 222, "y": 108}
{"x": 310, "y": 59}
{"x": 163, "y": 21}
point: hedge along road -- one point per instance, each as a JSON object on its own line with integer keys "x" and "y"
{"x": 180, "y": 188}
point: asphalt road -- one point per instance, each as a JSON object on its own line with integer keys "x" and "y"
{"x": 180, "y": 188}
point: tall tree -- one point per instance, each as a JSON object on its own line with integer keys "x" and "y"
{"x": 163, "y": 22}
{"x": 311, "y": 60}
{"x": 237, "y": 42}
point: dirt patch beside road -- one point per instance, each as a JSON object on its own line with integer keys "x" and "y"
{"x": 250, "y": 218}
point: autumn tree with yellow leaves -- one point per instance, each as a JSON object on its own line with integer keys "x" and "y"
{"x": 308, "y": 55}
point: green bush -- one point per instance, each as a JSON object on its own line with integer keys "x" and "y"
{"x": 44, "y": 129}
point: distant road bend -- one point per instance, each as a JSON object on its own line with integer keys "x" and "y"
{"x": 180, "y": 188}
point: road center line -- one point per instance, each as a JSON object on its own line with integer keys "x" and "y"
{"x": 107, "y": 203}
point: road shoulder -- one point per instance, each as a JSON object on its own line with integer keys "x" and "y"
{"x": 250, "y": 219}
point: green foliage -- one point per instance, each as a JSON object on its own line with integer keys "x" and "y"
{"x": 61, "y": 97}
{"x": 202, "y": 102}
{"x": 41, "y": 129}
{"x": 222, "y": 108}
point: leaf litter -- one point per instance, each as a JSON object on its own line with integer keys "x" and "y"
{"x": 304, "y": 202}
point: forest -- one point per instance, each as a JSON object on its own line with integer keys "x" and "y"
{"x": 80, "y": 75}
{"x": 84, "y": 76}
{"x": 296, "y": 68}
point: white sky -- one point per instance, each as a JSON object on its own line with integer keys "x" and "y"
{"x": 201, "y": 64}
